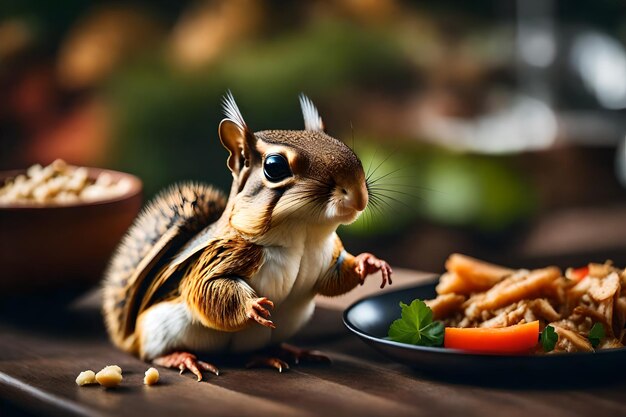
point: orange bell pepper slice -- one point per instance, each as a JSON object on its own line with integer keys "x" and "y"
{"x": 519, "y": 338}
{"x": 579, "y": 273}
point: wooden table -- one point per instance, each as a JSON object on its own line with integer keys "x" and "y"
{"x": 45, "y": 344}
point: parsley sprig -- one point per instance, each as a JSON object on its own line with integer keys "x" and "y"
{"x": 549, "y": 339}
{"x": 596, "y": 334}
{"x": 416, "y": 326}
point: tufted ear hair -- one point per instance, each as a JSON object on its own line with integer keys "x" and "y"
{"x": 236, "y": 136}
{"x": 312, "y": 119}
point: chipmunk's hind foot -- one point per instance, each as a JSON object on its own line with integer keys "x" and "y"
{"x": 186, "y": 361}
{"x": 260, "y": 361}
{"x": 297, "y": 355}
{"x": 280, "y": 357}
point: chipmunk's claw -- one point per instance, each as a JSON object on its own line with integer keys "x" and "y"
{"x": 279, "y": 357}
{"x": 186, "y": 361}
{"x": 256, "y": 310}
{"x": 297, "y": 355}
{"x": 368, "y": 264}
{"x": 267, "y": 361}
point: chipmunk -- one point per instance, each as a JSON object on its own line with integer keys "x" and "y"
{"x": 199, "y": 273}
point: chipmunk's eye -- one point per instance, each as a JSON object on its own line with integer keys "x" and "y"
{"x": 276, "y": 168}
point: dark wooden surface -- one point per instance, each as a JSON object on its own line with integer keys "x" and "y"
{"x": 46, "y": 340}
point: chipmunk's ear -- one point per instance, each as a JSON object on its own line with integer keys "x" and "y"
{"x": 312, "y": 119}
{"x": 236, "y": 136}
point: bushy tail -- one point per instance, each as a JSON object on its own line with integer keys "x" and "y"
{"x": 163, "y": 226}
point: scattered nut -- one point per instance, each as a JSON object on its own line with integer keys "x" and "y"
{"x": 110, "y": 376}
{"x": 116, "y": 368}
{"x": 152, "y": 377}
{"x": 86, "y": 378}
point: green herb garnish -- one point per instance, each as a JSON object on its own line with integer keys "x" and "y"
{"x": 596, "y": 334}
{"x": 416, "y": 327}
{"x": 549, "y": 339}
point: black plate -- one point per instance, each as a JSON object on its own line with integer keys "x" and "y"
{"x": 370, "y": 319}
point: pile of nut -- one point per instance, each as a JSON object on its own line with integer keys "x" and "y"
{"x": 60, "y": 183}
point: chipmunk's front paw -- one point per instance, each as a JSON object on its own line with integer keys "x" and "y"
{"x": 255, "y": 310}
{"x": 367, "y": 264}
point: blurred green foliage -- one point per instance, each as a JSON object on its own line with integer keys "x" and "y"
{"x": 166, "y": 120}
{"x": 487, "y": 193}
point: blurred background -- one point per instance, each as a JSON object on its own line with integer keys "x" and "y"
{"x": 492, "y": 128}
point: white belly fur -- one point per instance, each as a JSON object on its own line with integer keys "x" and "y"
{"x": 287, "y": 278}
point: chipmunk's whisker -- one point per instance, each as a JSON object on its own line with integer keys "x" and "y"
{"x": 293, "y": 203}
{"x": 417, "y": 187}
{"x": 390, "y": 184}
{"x": 352, "y": 133}
{"x": 382, "y": 191}
{"x": 384, "y": 197}
{"x": 378, "y": 179}
{"x": 369, "y": 175}
{"x": 378, "y": 201}
{"x": 297, "y": 200}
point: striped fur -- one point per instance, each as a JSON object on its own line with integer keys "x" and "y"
{"x": 163, "y": 226}
{"x": 214, "y": 286}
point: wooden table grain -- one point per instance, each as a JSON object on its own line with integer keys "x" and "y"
{"x": 46, "y": 340}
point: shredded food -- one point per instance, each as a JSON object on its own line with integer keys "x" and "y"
{"x": 474, "y": 293}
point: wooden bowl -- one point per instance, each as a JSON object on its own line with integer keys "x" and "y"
{"x": 49, "y": 246}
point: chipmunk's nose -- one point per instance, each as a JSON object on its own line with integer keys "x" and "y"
{"x": 355, "y": 197}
